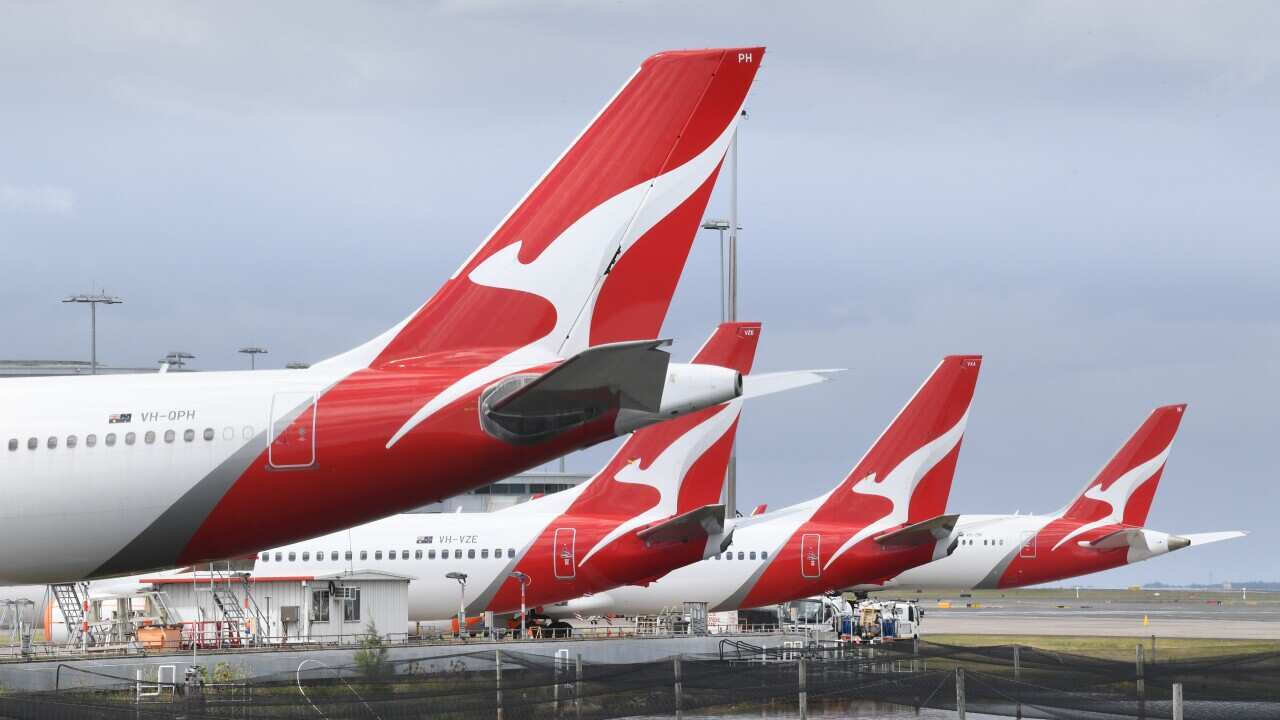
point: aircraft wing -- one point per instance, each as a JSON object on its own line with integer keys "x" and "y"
{"x": 925, "y": 531}
{"x": 706, "y": 520}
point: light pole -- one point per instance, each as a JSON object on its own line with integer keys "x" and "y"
{"x": 721, "y": 226}
{"x": 462, "y": 599}
{"x": 523, "y": 579}
{"x": 93, "y": 299}
{"x": 252, "y": 351}
{"x": 176, "y": 359}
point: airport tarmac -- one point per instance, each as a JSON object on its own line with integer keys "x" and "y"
{"x": 1048, "y": 616}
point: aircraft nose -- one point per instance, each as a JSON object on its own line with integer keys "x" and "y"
{"x": 1177, "y": 543}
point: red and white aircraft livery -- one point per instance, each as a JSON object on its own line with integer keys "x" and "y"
{"x": 882, "y": 519}
{"x": 1101, "y": 529}
{"x": 539, "y": 344}
{"x": 654, "y": 507}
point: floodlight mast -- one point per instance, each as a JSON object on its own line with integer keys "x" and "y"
{"x": 523, "y": 579}
{"x": 253, "y": 351}
{"x": 93, "y": 300}
{"x": 728, "y": 299}
{"x": 462, "y": 600}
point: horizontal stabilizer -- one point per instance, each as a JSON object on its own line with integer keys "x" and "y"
{"x": 705, "y": 521}
{"x": 1198, "y": 539}
{"x": 1131, "y": 537}
{"x": 923, "y": 532}
{"x": 768, "y": 383}
{"x": 626, "y": 375}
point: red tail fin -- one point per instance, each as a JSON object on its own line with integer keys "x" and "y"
{"x": 732, "y": 345}
{"x": 678, "y": 465}
{"x": 593, "y": 252}
{"x": 911, "y": 464}
{"x": 1123, "y": 490}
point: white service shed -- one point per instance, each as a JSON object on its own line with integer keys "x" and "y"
{"x": 329, "y": 607}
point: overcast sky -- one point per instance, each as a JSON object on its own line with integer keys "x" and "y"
{"x": 1086, "y": 193}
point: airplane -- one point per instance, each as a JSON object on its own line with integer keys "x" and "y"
{"x": 1101, "y": 529}
{"x": 883, "y": 518}
{"x": 542, "y": 342}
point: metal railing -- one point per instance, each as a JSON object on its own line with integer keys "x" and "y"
{"x": 221, "y": 641}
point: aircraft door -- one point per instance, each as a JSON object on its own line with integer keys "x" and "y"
{"x": 563, "y": 556}
{"x": 1028, "y": 549}
{"x": 293, "y": 430}
{"x": 811, "y": 555}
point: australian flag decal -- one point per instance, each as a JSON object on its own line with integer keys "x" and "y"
{"x": 120, "y": 418}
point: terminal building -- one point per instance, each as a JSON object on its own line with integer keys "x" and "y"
{"x": 57, "y": 368}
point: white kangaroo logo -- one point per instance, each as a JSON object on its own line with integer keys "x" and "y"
{"x": 667, "y": 471}
{"x": 1116, "y": 496}
{"x": 900, "y": 484}
{"x": 568, "y": 273}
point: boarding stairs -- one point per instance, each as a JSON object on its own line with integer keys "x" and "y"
{"x": 239, "y": 612}
{"x": 72, "y": 606}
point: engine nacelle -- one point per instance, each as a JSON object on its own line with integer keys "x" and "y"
{"x": 687, "y": 388}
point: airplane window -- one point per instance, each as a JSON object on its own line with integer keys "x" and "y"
{"x": 431, "y": 554}
{"x": 247, "y": 432}
{"x": 364, "y": 554}
{"x": 150, "y": 437}
{"x": 417, "y": 554}
{"x": 169, "y": 435}
{"x": 208, "y": 433}
{"x": 511, "y": 552}
{"x": 188, "y": 435}
{"x": 228, "y": 433}
{"x": 728, "y": 556}
{"x": 52, "y": 443}
{"x": 266, "y": 557}
{"x": 33, "y": 443}
{"x": 404, "y": 554}
{"x": 320, "y": 556}
{"x": 484, "y": 554}
{"x": 111, "y": 439}
{"x": 471, "y": 554}
{"x": 741, "y": 555}
{"x": 306, "y": 556}
{"x": 377, "y": 554}
{"x": 293, "y": 556}
{"x": 91, "y": 440}
{"x": 13, "y": 444}
{"x": 277, "y": 556}
{"x": 764, "y": 554}
{"x": 346, "y": 555}
{"x": 497, "y": 553}
{"x": 753, "y": 554}
{"x": 333, "y": 556}
{"x": 71, "y": 441}
{"x": 457, "y": 554}
{"x": 391, "y": 555}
